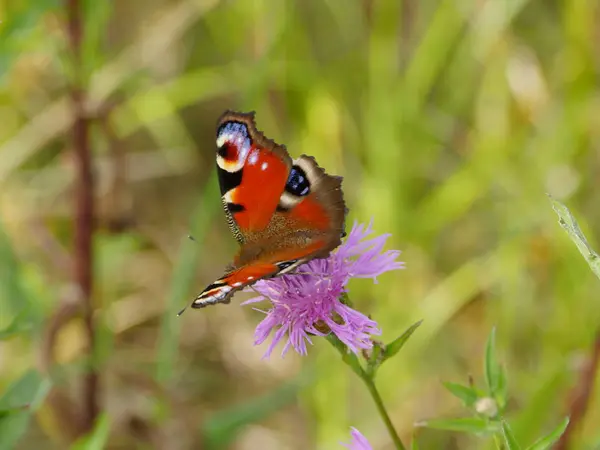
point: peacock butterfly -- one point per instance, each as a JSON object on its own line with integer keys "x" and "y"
{"x": 282, "y": 211}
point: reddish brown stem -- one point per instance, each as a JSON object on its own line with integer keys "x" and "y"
{"x": 84, "y": 207}
{"x": 580, "y": 395}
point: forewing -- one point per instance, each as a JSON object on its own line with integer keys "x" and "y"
{"x": 252, "y": 171}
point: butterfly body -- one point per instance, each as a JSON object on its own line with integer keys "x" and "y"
{"x": 283, "y": 212}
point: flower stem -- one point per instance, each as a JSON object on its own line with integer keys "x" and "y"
{"x": 382, "y": 411}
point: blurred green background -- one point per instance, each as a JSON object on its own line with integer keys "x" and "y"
{"x": 449, "y": 121}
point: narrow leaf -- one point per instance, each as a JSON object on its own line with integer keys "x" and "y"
{"x": 494, "y": 377}
{"x": 501, "y": 388}
{"x": 509, "y": 438}
{"x": 396, "y": 345}
{"x": 547, "y": 441}
{"x": 570, "y": 225}
{"x": 465, "y": 424}
{"x": 467, "y": 394}
{"x": 414, "y": 445}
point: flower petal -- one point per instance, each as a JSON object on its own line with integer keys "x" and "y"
{"x": 310, "y": 296}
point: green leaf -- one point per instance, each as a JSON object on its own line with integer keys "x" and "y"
{"x": 494, "y": 375}
{"x": 467, "y": 394}
{"x": 501, "y": 389}
{"x": 465, "y": 424}
{"x": 547, "y": 441}
{"x": 18, "y": 402}
{"x": 414, "y": 445}
{"x": 97, "y": 438}
{"x": 12, "y": 292}
{"x": 12, "y": 427}
{"x": 347, "y": 356}
{"x": 396, "y": 345}
{"x": 570, "y": 225}
{"x": 509, "y": 438}
{"x": 222, "y": 428}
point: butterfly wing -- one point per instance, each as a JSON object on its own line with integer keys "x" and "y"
{"x": 312, "y": 203}
{"x": 283, "y": 212}
{"x": 270, "y": 263}
{"x": 252, "y": 172}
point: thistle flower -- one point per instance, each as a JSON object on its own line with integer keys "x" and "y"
{"x": 308, "y": 302}
{"x": 359, "y": 442}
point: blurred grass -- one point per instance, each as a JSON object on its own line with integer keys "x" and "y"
{"x": 448, "y": 120}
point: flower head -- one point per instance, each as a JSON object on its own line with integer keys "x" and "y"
{"x": 359, "y": 442}
{"x": 308, "y": 301}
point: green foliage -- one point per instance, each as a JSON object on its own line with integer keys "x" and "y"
{"x": 509, "y": 438}
{"x": 474, "y": 425}
{"x": 12, "y": 293}
{"x": 495, "y": 376}
{"x": 570, "y": 225}
{"x": 488, "y": 408}
{"x": 20, "y": 30}
{"x": 381, "y": 353}
{"x": 17, "y": 404}
{"x": 468, "y": 395}
{"x": 546, "y": 442}
{"x": 19, "y": 325}
{"x": 366, "y": 372}
{"x": 414, "y": 445}
{"x": 396, "y": 345}
{"x": 97, "y": 438}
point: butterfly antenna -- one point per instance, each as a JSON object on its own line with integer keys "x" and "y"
{"x": 181, "y": 312}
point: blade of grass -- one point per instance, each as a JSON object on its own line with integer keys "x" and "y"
{"x": 509, "y": 438}
{"x": 183, "y": 276}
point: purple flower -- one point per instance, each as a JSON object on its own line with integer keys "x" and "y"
{"x": 308, "y": 302}
{"x": 359, "y": 442}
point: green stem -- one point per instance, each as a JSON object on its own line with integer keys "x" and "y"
{"x": 352, "y": 361}
{"x": 382, "y": 411}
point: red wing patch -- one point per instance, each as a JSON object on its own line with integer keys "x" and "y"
{"x": 277, "y": 262}
{"x": 310, "y": 213}
{"x": 256, "y": 198}
{"x": 222, "y": 290}
{"x": 253, "y": 171}
{"x": 282, "y": 212}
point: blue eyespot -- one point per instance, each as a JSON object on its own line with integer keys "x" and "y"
{"x": 297, "y": 183}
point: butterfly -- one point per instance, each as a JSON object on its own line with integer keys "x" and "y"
{"x": 283, "y": 212}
